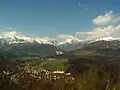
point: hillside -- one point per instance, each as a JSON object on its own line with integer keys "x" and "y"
{"x": 30, "y": 50}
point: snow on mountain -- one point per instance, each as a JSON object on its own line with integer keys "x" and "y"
{"x": 25, "y": 39}
{"x": 70, "y": 41}
{"x": 107, "y": 39}
{"x": 15, "y": 39}
{"x": 9, "y": 39}
{"x": 59, "y": 53}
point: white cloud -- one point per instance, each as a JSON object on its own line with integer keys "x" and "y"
{"x": 107, "y": 19}
{"x": 9, "y": 33}
{"x": 108, "y": 26}
{"x": 8, "y": 28}
{"x": 108, "y": 31}
{"x": 104, "y": 31}
{"x": 63, "y": 36}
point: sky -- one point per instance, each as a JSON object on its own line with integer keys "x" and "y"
{"x": 64, "y": 18}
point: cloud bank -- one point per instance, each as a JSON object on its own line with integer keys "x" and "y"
{"x": 105, "y": 25}
{"x": 9, "y": 33}
{"x": 107, "y": 19}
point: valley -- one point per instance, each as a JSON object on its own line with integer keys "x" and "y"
{"x": 88, "y": 66}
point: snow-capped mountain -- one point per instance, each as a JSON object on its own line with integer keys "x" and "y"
{"x": 15, "y": 37}
{"x": 107, "y": 39}
{"x": 25, "y": 39}
{"x": 104, "y": 42}
{"x": 68, "y": 44}
{"x": 23, "y": 46}
{"x": 69, "y": 41}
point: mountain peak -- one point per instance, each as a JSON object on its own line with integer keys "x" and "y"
{"x": 107, "y": 39}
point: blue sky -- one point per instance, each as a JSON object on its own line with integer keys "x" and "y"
{"x": 51, "y": 17}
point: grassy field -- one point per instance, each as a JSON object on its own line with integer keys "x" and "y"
{"x": 55, "y": 65}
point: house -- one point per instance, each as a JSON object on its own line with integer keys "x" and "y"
{"x": 59, "y": 72}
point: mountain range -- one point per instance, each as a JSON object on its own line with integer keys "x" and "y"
{"x": 22, "y": 46}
